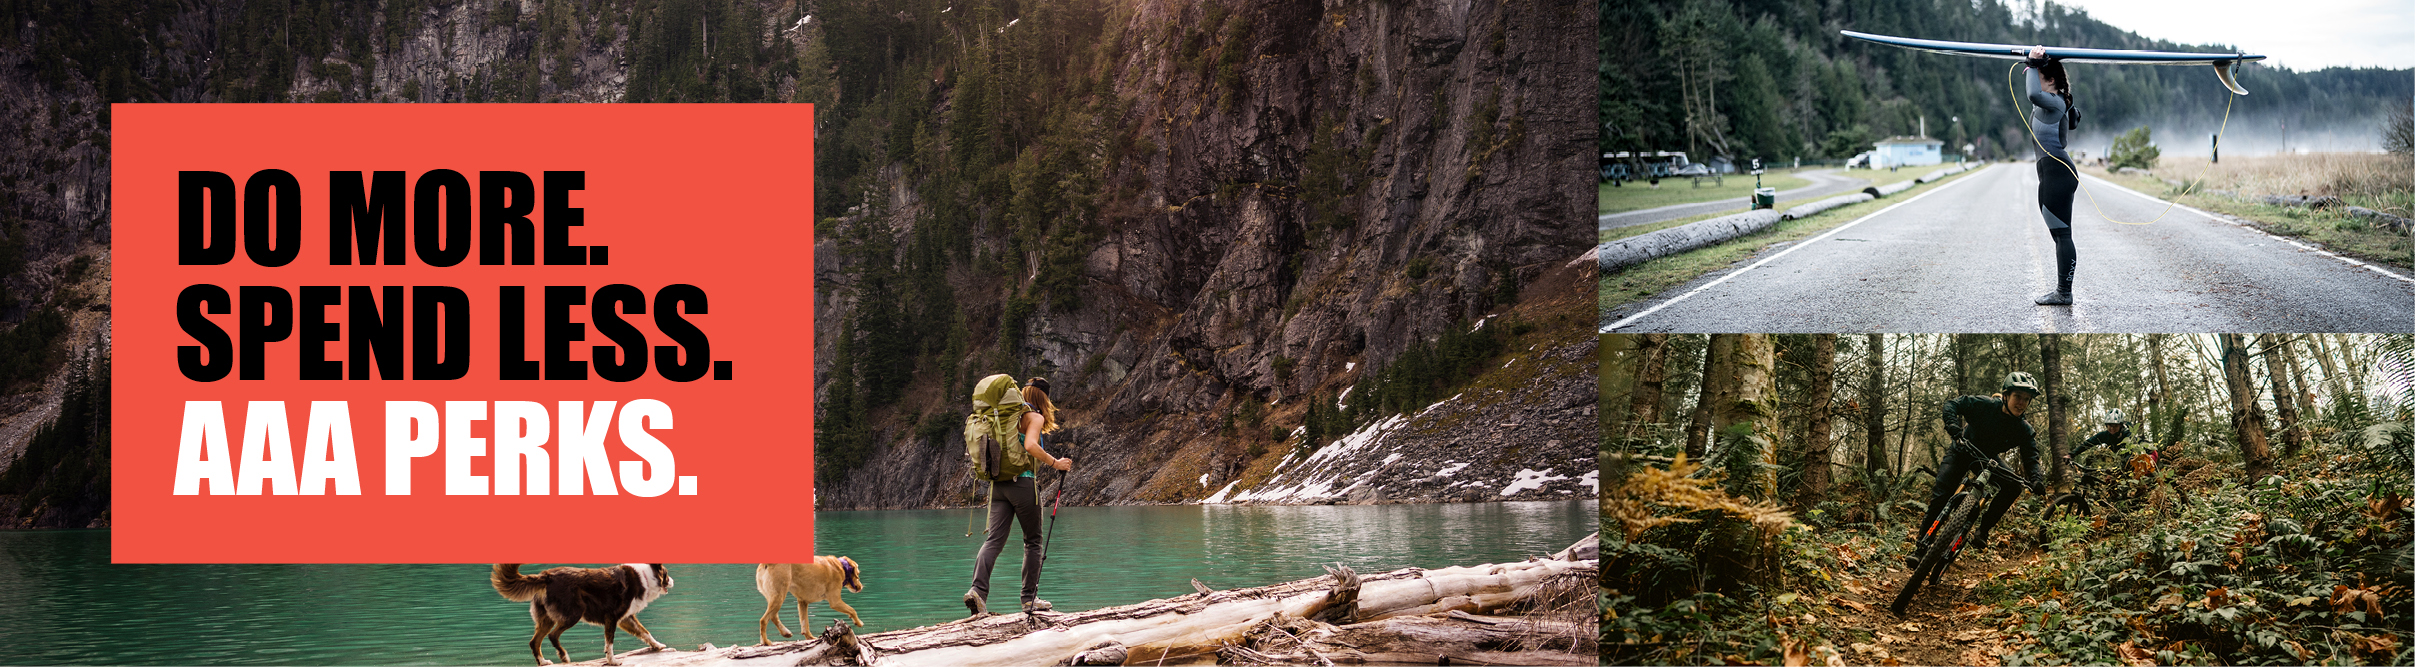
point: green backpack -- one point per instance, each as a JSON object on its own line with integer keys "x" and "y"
{"x": 990, "y": 432}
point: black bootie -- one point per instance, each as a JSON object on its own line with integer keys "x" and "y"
{"x": 2062, "y": 294}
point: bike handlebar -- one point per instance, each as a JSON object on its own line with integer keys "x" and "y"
{"x": 1990, "y": 462}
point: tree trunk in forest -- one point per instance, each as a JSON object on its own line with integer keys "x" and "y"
{"x": 2331, "y": 370}
{"x": 2155, "y": 401}
{"x": 1911, "y": 417}
{"x": 1874, "y": 406}
{"x": 2058, "y": 404}
{"x": 1745, "y": 380}
{"x": 1651, "y": 373}
{"x": 2352, "y": 367}
{"x": 1698, "y": 429}
{"x": 1962, "y": 364}
{"x": 2297, "y": 379}
{"x": 1620, "y": 359}
{"x": 2247, "y": 418}
{"x": 2276, "y": 373}
{"x": 1815, "y": 443}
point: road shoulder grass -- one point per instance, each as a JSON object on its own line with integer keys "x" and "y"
{"x": 1637, "y": 196}
{"x": 1642, "y": 281}
{"x": 1876, "y": 178}
{"x": 2329, "y": 228}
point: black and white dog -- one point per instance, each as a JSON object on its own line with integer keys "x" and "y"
{"x": 562, "y": 597}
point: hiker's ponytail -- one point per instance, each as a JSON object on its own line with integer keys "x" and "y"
{"x": 1036, "y": 396}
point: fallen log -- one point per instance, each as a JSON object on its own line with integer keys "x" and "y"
{"x": 2380, "y": 218}
{"x": 1888, "y": 189}
{"x": 1462, "y": 614}
{"x": 1640, "y": 248}
{"x": 1814, "y": 208}
{"x": 2300, "y": 201}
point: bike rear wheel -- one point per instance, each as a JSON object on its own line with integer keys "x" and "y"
{"x": 1941, "y": 547}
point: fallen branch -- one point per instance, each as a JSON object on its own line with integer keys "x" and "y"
{"x": 1504, "y": 613}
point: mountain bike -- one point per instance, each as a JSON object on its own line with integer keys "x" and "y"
{"x": 2096, "y": 488}
{"x": 1953, "y": 525}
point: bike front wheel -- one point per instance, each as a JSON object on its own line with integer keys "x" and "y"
{"x": 1941, "y": 547}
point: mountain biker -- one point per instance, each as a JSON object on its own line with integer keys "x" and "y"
{"x": 2116, "y": 430}
{"x": 1991, "y": 425}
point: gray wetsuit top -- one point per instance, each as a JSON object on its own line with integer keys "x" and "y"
{"x": 2048, "y": 121}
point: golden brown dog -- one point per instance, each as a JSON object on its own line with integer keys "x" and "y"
{"x": 560, "y": 598}
{"x": 819, "y": 580}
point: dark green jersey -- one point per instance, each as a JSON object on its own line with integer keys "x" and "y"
{"x": 1982, "y": 420}
{"x": 2104, "y": 439}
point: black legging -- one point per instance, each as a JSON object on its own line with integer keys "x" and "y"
{"x": 2055, "y": 187}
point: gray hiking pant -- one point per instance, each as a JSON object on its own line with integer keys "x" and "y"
{"x": 1018, "y": 501}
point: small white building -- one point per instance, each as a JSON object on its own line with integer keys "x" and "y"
{"x": 1907, "y": 151}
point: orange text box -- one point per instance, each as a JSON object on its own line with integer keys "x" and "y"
{"x": 663, "y": 253}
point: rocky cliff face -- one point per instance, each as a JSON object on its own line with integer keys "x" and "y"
{"x": 1458, "y": 134}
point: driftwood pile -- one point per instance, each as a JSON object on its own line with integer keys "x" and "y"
{"x": 1536, "y": 612}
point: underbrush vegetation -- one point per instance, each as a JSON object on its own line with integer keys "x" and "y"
{"x": 2308, "y": 566}
{"x": 1736, "y": 558}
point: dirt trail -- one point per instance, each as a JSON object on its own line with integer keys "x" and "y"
{"x": 1945, "y": 625}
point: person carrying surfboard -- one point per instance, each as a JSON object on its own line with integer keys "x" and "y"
{"x": 2050, "y": 92}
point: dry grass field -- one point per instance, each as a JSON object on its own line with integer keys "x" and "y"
{"x": 2380, "y": 182}
{"x": 2376, "y": 181}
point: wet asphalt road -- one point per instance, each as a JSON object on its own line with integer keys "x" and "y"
{"x": 1968, "y": 255}
{"x": 1824, "y": 183}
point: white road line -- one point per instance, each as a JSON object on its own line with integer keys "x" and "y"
{"x": 1782, "y": 253}
{"x": 2283, "y": 239}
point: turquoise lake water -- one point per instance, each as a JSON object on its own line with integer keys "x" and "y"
{"x": 61, "y": 602}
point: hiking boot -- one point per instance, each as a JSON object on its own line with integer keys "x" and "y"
{"x": 974, "y": 603}
{"x": 2054, "y": 299}
{"x": 1037, "y": 605}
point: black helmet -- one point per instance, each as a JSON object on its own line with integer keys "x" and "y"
{"x": 2020, "y": 380}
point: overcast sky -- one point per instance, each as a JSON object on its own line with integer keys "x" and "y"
{"x": 2298, "y": 34}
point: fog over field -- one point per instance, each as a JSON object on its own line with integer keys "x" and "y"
{"x": 2248, "y": 134}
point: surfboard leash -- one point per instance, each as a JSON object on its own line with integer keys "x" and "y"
{"x": 2013, "y": 74}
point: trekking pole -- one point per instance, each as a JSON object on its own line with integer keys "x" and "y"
{"x": 1052, "y": 517}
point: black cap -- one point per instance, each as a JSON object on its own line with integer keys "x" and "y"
{"x": 1041, "y": 382}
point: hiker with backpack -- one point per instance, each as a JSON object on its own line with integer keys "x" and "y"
{"x": 1006, "y": 436}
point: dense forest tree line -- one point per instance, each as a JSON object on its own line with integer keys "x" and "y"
{"x": 1773, "y": 79}
{"x": 61, "y": 478}
{"x": 1751, "y": 474}
{"x": 1795, "y": 398}
{"x": 997, "y": 164}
